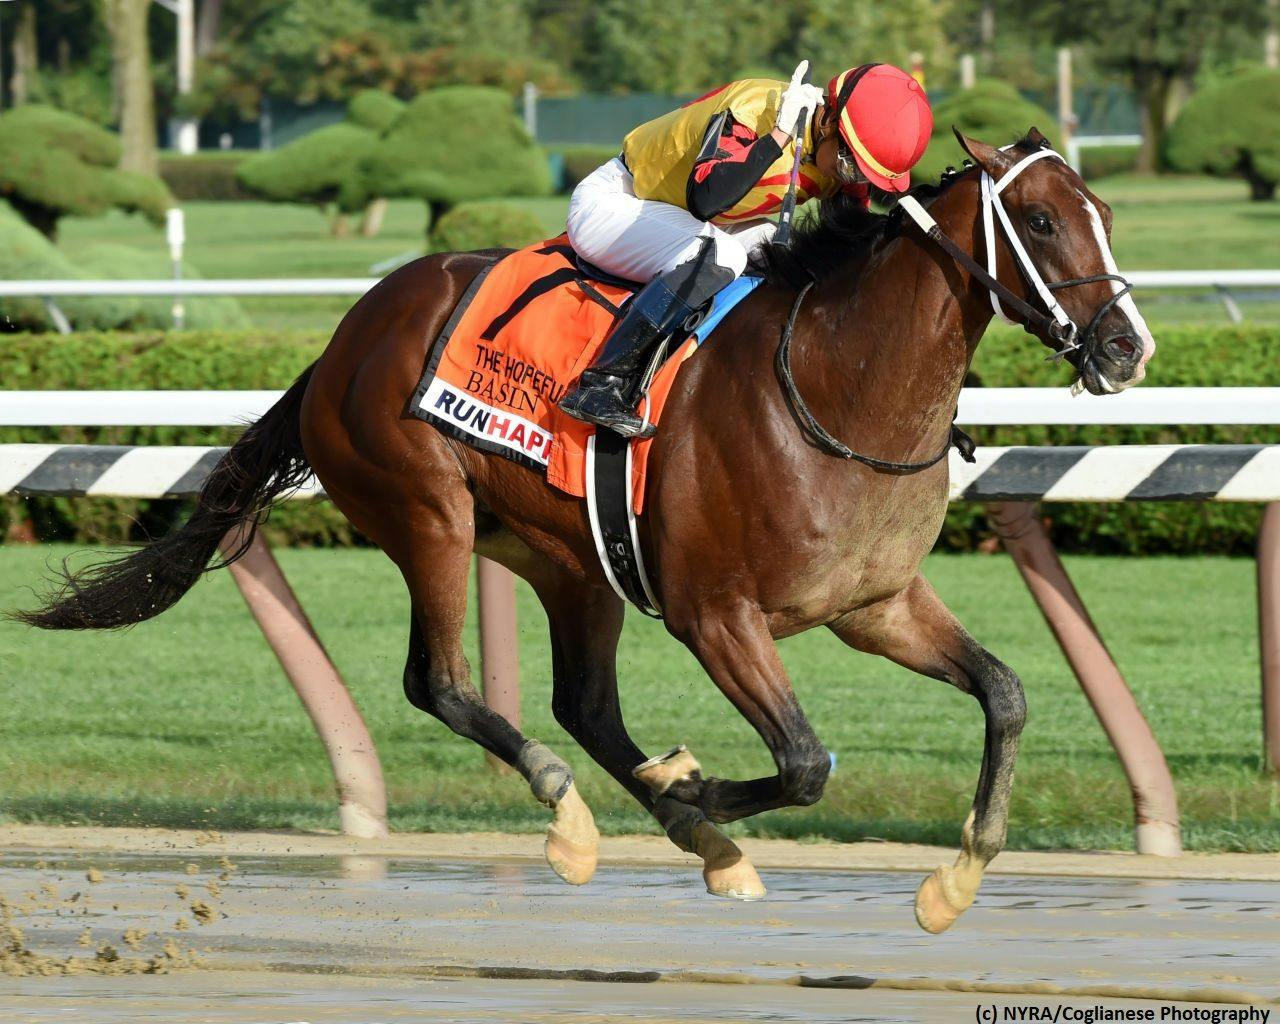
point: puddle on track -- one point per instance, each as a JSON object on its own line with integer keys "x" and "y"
{"x": 366, "y": 939}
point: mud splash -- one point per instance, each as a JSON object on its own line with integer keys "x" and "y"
{"x": 20, "y": 960}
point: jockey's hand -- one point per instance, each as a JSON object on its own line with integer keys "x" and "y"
{"x": 798, "y": 98}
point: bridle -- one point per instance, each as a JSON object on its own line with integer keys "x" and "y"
{"x": 1053, "y": 322}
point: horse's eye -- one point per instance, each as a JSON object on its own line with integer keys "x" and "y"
{"x": 1040, "y": 223}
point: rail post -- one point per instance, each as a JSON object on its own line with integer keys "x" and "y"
{"x": 499, "y": 652}
{"x": 1157, "y": 830}
{"x": 362, "y": 796}
{"x": 1269, "y": 633}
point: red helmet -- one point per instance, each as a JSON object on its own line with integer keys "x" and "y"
{"x": 885, "y": 120}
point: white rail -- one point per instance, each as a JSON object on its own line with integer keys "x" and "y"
{"x": 978, "y": 406}
{"x": 1153, "y": 279}
{"x": 1156, "y": 472}
{"x": 164, "y": 288}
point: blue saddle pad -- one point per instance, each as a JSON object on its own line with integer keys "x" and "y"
{"x": 726, "y": 298}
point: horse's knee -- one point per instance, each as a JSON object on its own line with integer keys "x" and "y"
{"x": 440, "y": 696}
{"x": 805, "y": 777}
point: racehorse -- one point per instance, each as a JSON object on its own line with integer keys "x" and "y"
{"x": 753, "y": 529}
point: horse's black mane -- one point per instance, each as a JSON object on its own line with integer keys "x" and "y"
{"x": 843, "y": 229}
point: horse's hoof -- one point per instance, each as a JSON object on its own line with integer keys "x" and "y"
{"x": 935, "y": 910}
{"x": 574, "y": 862}
{"x": 726, "y": 869}
{"x": 664, "y": 771}
{"x": 572, "y": 847}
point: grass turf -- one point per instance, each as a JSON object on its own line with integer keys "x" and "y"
{"x": 1155, "y": 219}
{"x": 187, "y": 720}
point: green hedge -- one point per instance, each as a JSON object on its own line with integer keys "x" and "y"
{"x": 1101, "y": 161}
{"x": 1187, "y": 356}
{"x": 204, "y": 176}
{"x": 495, "y": 225}
{"x": 153, "y": 360}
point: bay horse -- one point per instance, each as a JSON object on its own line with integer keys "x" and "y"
{"x": 752, "y": 530}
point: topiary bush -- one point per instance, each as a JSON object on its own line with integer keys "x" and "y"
{"x": 1232, "y": 128}
{"x": 486, "y": 226}
{"x": 374, "y": 109}
{"x": 992, "y": 111}
{"x": 455, "y": 145}
{"x": 319, "y": 169}
{"x": 53, "y": 164}
{"x": 204, "y": 176}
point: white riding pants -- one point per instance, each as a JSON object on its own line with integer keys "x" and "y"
{"x": 638, "y": 239}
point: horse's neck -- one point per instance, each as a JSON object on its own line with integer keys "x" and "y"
{"x": 887, "y": 344}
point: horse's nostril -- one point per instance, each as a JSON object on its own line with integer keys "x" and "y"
{"x": 1122, "y": 347}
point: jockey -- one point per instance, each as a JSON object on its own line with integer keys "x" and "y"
{"x": 690, "y": 196}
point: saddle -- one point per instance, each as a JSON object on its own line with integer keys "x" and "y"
{"x": 520, "y": 336}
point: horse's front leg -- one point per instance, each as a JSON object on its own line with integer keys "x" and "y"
{"x": 585, "y": 626}
{"x": 735, "y": 647}
{"x": 915, "y": 629}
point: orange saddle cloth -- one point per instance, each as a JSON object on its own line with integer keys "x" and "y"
{"x": 518, "y": 339}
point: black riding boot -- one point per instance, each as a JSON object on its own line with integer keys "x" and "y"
{"x": 607, "y": 392}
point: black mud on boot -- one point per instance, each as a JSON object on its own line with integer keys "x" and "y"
{"x": 609, "y": 390}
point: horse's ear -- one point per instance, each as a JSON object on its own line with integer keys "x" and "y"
{"x": 992, "y": 160}
{"x": 1037, "y": 139}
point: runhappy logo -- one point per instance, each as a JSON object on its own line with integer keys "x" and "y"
{"x": 465, "y": 412}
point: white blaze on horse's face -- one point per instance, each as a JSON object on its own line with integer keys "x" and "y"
{"x": 1126, "y": 305}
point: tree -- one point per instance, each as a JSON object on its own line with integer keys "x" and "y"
{"x": 678, "y": 46}
{"x": 54, "y": 164}
{"x": 1232, "y": 128}
{"x": 323, "y": 167}
{"x": 209, "y": 21}
{"x": 497, "y": 26}
{"x": 839, "y": 34}
{"x": 1159, "y": 45}
{"x": 316, "y": 170}
{"x": 25, "y": 54}
{"x": 126, "y": 22}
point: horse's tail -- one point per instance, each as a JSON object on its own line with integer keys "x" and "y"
{"x": 266, "y": 462}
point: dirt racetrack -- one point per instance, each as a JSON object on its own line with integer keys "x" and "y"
{"x": 291, "y": 928}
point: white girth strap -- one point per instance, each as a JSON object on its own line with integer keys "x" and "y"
{"x": 993, "y": 209}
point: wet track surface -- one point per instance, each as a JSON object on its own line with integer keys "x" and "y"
{"x": 365, "y": 939}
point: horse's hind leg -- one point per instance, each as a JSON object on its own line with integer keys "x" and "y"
{"x": 585, "y": 625}
{"x": 918, "y": 631}
{"x": 437, "y": 679}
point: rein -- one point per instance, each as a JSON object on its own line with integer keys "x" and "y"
{"x": 824, "y": 438}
